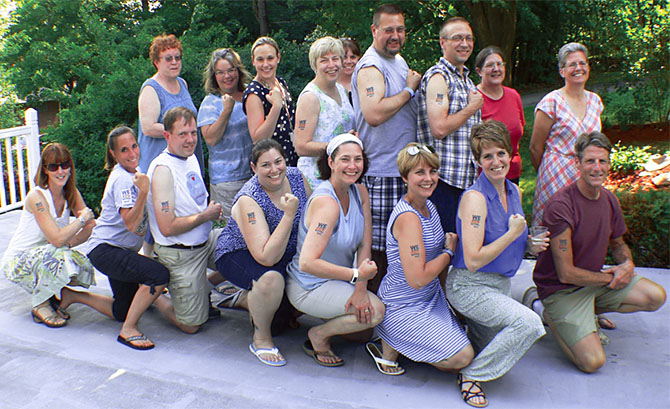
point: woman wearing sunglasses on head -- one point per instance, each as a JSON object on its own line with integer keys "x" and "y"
{"x": 39, "y": 257}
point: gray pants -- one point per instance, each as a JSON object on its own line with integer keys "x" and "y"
{"x": 500, "y": 328}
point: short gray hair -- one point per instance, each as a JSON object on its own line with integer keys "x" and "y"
{"x": 595, "y": 138}
{"x": 323, "y": 46}
{"x": 568, "y": 49}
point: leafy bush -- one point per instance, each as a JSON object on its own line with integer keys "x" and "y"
{"x": 644, "y": 102}
{"x": 625, "y": 159}
{"x": 647, "y": 216}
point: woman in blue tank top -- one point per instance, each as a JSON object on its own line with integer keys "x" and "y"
{"x": 335, "y": 230}
{"x": 493, "y": 236}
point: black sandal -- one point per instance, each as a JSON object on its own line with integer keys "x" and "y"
{"x": 55, "y": 304}
{"x": 468, "y": 394}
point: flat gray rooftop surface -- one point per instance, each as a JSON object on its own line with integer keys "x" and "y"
{"x": 83, "y": 366}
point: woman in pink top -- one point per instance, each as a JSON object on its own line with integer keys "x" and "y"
{"x": 500, "y": 102}
{"x": 560, "y": 117}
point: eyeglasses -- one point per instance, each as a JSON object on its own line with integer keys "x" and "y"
{"x": 574, "y": 65}
{"x": 458, "y": 38}
{"x": 52, "y": 167}
{"x": 229, "y": 71}
{"x": 169, "y": 58}
{"x": 414, "y": 149}
{"x": 498, "y": 64}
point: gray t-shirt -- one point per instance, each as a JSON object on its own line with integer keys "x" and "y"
{"x": 120, "y": 193}
{"x": 382, "y": 143}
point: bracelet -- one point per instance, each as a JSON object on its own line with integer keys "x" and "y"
{"x": 410, "y": 90}
{"x": 82, "y": 220}
{"x": 354, "y": 278}
{"x": 448, "y": 251}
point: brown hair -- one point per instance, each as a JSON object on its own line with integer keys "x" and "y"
{"x": 452, "y": 20}
{"x": 209, "y": 74}
{"x": 161, "y": 43}
{"x": 407, "y": 162}
{"x": 57, "y": 153}
{"x": 489, "y": 132}
{"x": 262, "y": 41}
{"x": 325, "y": 170}
{"x": 391, "y": 9}
{"x": 111, "y": 144}
{"x": 595, "y": 138}
{"x": 263, "y": 146}
{"x": 484, "y": 54}
{"x": 175, "y": 114}
{"x": 351, "y": 44}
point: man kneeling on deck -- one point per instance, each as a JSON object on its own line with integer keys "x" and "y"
{"x": 585, "y": 220}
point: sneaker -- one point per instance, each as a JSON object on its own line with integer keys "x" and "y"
{"x": 529, "y": 297}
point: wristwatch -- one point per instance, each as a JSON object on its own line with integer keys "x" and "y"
{"x": 82, "y": 220}
{"x": 448, "y": 251}
{"x": 354, "y": 278}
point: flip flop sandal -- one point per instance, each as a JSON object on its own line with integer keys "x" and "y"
{"x": 129, "y": 342}
{"x": 55, "y": 304}
{"x": 309, "y": 350}
{"x": 379, "y": 361}
{"x": 468, "y": 394}
{"x": 608, "y": 323}
{"x": 226, "y": 288}
{"x": 48, "y": 320}
{"x": 267, "y": 351}
{"x": 230, "y": 300}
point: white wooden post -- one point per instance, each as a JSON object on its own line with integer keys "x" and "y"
{"x": 33, "y": 144}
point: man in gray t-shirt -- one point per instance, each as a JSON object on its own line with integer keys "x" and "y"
{"x": 382, "y": 88}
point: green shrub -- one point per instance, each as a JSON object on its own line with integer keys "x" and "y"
{"x": 625, "y": 159}
{"x": 644, "y": 102}
{"x": 647, "y": 216}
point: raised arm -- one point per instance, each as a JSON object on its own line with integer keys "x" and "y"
{"x": 260, "y": 126}
{"x": 162, "y": 191}
{"x": 306, "y": 119}
{"x": 541, "y": 128}
{"x": 472, "y": 211}
{"x": 376, "y": 108}
{"x": 132, "y": 217}
{"x": 437, "y": 106}
{"x": 214, "y": 132}
{"x": 322, "y": 215}
{"x": 407, "y": 230}
{"x": 149, "y": 107}
{"x": 265, "y": 247}
{"x": 37, "y": 204}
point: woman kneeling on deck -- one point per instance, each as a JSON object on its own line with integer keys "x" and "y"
{"x": 493, "y": 238}
{"x": 418, "y": 321}
{"x": 336, "y": 227}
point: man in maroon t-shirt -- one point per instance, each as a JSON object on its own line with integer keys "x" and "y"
{"x": 585, "y": 220}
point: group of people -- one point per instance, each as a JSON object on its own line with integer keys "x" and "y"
{"x": 383, "y": 199}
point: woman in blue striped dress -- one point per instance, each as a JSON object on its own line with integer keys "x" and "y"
{"x": 418, "y": 322}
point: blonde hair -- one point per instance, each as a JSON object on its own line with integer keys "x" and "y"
{"x": 407, "y": 162}
{"x": 323, "y": 46}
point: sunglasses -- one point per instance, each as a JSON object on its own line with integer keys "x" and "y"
{"x": 414, "y": 150}
{"x": 52, "y": 167}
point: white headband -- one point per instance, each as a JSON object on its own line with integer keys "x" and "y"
{"x": 339, "y": 140}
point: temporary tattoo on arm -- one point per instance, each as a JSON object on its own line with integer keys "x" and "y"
{"x": 414, "y": 251}
{"x": 320, "y": 228}
{"x": 252, "y": 217}
{"x": 39, "y": 207}
{"x": 370, "y": 92}
{"x": 165, "y": 206}
{"x": 475, "y": 221}
{"x": 301, "y": 124}
{"x": 440, "y": 99}
{"x": 563, "y": 245}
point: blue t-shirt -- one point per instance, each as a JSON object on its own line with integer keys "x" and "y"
{"x": 229, "y": 158}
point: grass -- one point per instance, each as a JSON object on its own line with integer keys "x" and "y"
{"x": 528, "y": 177}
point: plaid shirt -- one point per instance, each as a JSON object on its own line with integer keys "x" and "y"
{"x": 457, "y": 165}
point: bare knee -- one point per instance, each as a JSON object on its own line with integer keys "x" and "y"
{"x": 657, "y": 297}
{"x": 589, "y": 354}
{"x": 591, "y": 363}
{"x": 379, "y": 309}
{"x": 189, "y": 329}
{"x": 458, "y": 361}
{"x": 271, "y": 282}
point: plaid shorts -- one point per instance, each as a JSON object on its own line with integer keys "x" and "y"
{"x": 384, "y": 194}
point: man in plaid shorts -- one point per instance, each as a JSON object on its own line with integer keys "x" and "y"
{"x": 382, "y": 88}
{"x": 449, "y": 106}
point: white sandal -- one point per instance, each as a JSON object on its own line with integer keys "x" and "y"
{"x": 379, "y": 361}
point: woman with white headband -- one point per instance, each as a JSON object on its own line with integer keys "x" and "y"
{"x": 334, "y": 231}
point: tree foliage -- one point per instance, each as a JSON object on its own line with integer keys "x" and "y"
{"x": 92, "y": 55}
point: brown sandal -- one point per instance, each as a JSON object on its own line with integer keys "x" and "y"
{"x": 52, "y": 320}
{"x": 468, "y": 394}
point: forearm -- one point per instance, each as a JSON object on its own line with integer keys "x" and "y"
{"x": 377, "y": 114}
{"x": 621, "y": 254}
{"x": 179, "y": 225}
{"x": 450, "y": 123}
{"x": 82, "y": 235}
{"x": 267, "y": 127}
{"x": 216, "y": 130}
{"x": 489, "y": 252}
{"x": 432, "y": 269}
{"x": 323, "y": 269}
{"x": 276, "y": 244}
{"x": 536, "y": 153}
{"x": 583, "y": 278}
{"x": 133, "y": 218}
{"x": 154, "y": 130}
{"x": 311, "y": 148}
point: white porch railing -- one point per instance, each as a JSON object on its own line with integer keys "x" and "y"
{"x": 19, "y": 157}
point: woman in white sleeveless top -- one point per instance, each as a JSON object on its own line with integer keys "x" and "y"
{"x": 39, "y": 257}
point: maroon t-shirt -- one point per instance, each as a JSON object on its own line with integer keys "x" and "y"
{"x": 593, "y": 223}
